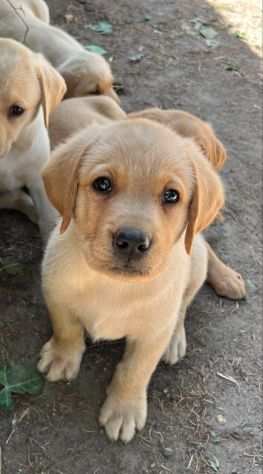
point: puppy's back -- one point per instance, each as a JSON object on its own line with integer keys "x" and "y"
{"x": 75, "y": 114}
{"x": 188, "y": 125}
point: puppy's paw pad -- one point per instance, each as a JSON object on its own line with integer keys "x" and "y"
{"x": 59, "y": 363}
{"x": 232, "y": 285}
{"x": 121, "y": 418}
{"x": 177, "y": 348}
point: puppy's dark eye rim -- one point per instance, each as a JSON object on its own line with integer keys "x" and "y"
{"x": 170, "y": 196}
{"x": 15, "y": 110}
{"x": 102, "y": 184}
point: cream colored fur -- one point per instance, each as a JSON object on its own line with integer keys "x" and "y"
{"x": 84, "y": 72}
{"x": 86, "y": 286}
{"x": 28, "y": 81}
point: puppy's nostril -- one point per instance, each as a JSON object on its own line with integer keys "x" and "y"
{"x": 143, "y": 247}
{"x": 122, "y": 244}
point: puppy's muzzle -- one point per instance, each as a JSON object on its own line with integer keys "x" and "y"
{"x": 131, "y": 244}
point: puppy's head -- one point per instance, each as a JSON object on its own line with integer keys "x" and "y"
{"x": 26, "y": 81}
{"x": 134, "y": 189}
{"x": 88, "y": 73}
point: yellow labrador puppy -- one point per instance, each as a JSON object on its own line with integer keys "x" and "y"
{"x": 101, "y": 110}
{"x": 84, "y": 72}
{"x": 30, "y": 88}
{"x": 127, "y": 256}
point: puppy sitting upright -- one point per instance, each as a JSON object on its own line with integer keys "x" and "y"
{"x": 127, "y": 257}
{"x": 29, "y": 90}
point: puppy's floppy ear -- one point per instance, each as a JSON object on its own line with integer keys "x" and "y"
{"x": 212, "y": 147}
{"x": 207, "y": 199}
{"x": 60, "y": 178}
{"x": 61, "y": 174}
{"x": 52, "y": 84}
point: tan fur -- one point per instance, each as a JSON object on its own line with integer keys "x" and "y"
{"x": 29, "y": 81}
{"x": 188, "y": 125}
{"x": 88, "y": 287}
{"x": 89, "y": 111}
{"x": 84, "y": 111}
{"x": 84, "y": 72}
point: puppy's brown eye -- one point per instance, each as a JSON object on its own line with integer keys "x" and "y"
{"x": 15, "y": 111}
{"x": 170, "y": 196}
{"x": 102, "y": 185}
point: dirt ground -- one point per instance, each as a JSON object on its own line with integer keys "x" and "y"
{"x": 199, "y": 421}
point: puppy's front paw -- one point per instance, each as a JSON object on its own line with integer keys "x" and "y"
{"x": 60, "y": 362}
{"x": 177, "y": 347}
{"x": 121, "y": 418}
{"x": 230, "y": 284}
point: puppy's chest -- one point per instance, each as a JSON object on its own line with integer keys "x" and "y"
{"x": 105, "y": 316}
{"x": 108, "y": 314}
{"x": 15, "y": 169}
{"x": 9, "y": 175}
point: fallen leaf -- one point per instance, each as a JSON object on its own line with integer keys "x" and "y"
{"x": 136, "y": 58}
{"x": 12, "y": 268}
{"x": 214, "y": 464}
{"x": 103, "y": 27}
{"x": 232, "y": 67}
{"x": 147, "y": 18}
{"x": 94, "y": 48}
{"x": 20, "y": 379}
{"x": 207, "y": 32}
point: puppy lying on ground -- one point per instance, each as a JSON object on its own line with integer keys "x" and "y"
{"x": 102, "y": 110}
{"x": 84, "y": 72}
{"x": 29, "y": 90}
{"x": 127, "y": 257}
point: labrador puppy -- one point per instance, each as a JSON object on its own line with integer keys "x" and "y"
{"x": 30, "y": 88}
{"x": 100, "y": 110}
{"x": 84, "y": 72}
{"x": 127, "y": 256}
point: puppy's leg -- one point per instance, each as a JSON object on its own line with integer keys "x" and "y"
{"x": 125, "y": 408}
{"x": 47, "y": 215}
{"x": 176, "y": 349}
{"x": 225, "y": 281}
{"x": 199, "y": 260}
{"x": 61, "y": 356}
{"x": 19, "y": 201}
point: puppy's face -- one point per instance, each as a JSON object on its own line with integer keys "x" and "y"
{"x": 88, "y": 74}
{"x": 26, "y": 80}
{"x": 132, "y": 188}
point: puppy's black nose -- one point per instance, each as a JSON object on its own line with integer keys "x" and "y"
{"x": 130, "y": 242}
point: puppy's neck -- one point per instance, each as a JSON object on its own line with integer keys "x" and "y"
{"x": 30, "y": 132}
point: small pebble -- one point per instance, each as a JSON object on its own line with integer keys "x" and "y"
{"x": 221, "y": 419}
{"x": 167, "y": 452}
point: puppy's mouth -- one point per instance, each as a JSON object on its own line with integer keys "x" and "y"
{"x": 129, "y": 270}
